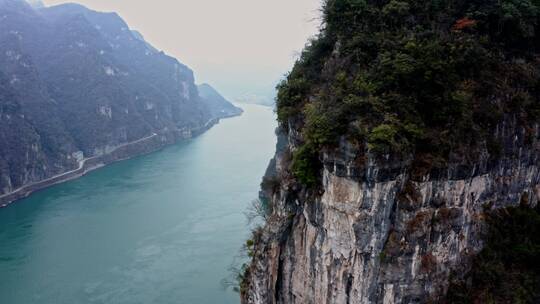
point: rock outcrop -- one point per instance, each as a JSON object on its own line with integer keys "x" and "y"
{"x": 376, "y": 234}
{"x": 76, "y": 84}
{"x": 398, "y": 141}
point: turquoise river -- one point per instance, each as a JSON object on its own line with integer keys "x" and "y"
{"x": 160, "y": 228}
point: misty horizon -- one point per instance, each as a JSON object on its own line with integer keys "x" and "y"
{"x": 239, "y": 61}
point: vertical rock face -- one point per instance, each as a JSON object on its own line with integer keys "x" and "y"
{"x": 374, "y": 233}
{"x": 77, "y": 84}
{"x": 405, "y": 124}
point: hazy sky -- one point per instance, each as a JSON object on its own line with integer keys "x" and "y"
{"x": 238, "y": 46}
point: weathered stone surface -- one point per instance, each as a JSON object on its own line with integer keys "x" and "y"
{"x": 374, "y": 235}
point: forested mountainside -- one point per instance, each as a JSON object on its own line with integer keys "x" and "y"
{"x": 408, "y": 164}
{"x": 77, "y": 84}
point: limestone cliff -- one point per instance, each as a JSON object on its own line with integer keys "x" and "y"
{"x": 396, "y": 142}
{"x": 374, "y": 233}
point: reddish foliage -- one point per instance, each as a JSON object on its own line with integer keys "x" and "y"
{"x": 463, "y": 23}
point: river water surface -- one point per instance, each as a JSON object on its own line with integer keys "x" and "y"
{"x": 161, "y": 228}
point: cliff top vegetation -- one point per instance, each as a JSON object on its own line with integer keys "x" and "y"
{"x": 430, "y": 78}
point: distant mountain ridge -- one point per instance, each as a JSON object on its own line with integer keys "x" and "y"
{"x": 217, "y": 103}
{"x": 78, "y": 84}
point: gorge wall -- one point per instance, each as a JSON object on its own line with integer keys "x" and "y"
{"x": 375, "y": 235}
{"x": 77, "y": 85}
{"x": 402, "y": 127}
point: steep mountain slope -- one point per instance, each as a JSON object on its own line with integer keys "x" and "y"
{"x": 403, "y": 127}
{"x": 79, "y": 84}
{"x": 218, "y": 104}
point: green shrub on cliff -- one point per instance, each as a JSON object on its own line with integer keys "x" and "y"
{"x": 305, "y": 166}
{"x": 433, "y": 76}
